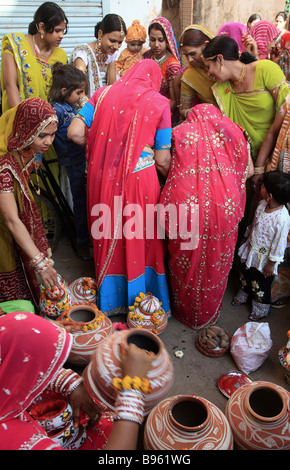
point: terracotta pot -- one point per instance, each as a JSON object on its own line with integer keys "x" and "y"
{"x": 147, "y": 313}
{"x": 284, "y": 363}
{"x": 106, "y": 364}
{"x": 83, "y": 289}
{"x": 52, "y": 413}
{"x": 259, "y": 417}
{"x": 54, "y": 301}
{"x": 187, "y": 422}
{"x": 91, "y": 329}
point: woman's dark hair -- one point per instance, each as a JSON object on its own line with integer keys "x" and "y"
{"x": 65, "y": 76}
{"x": 228, "y": 48}
{"x": 193, "y": 37}
{"x": 51, "y": 15}
{"x": 254, "y": 17}
{"x": 157, "y": 26}
{"x": 283, "y": 14}
{"x": 110, "y": 23}
{"x": 277, "y": 183}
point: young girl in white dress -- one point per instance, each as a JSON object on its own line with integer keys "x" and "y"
{"x": 265, "y": 244}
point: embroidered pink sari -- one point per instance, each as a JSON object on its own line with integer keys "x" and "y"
{"x": 210, "y": 158}
{"x": 127, "y": 261}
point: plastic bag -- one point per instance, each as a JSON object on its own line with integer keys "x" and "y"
{"x": 250, "y": 346}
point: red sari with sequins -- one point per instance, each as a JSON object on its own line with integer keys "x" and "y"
{"x": 210, "y": 158}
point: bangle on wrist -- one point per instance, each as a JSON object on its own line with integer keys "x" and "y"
{"x": 129, "y": 406}
{"x": 259, "y": 170}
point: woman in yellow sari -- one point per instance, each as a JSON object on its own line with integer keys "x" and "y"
{"x": 27, "y": 59}
{"x": 24, "y": 251}
{"x": 195, "y": 82}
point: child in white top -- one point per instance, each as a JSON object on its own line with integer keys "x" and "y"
{"x": 264, "y": 248}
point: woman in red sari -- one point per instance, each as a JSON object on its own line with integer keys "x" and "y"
{"x": 24, "y": 130}
{"x": 209, "y": 167}
{"x": 131, "y": 117}
{"x": 33, "y": 352}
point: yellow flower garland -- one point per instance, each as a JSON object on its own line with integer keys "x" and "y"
{"x": 139, "y": 318}
{"x": 128, "y": 383}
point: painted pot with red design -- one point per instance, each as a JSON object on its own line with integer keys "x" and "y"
{"x": 90, "y": 328}
{"x": 106, "y": 364}
{"x": 258, "y": 414}
{"x": 147, "y": 313}
{"x": 187, "y": 422}
{"x": 83, "y": 289}
{"x": 55, "y": 300}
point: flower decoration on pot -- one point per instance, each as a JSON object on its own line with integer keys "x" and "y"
{"x": 89, "y": 329}
{"x": 147, "y": 313}
{"x": 84, "y": 289}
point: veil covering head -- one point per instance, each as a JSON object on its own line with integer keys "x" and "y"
{"x": 32, "y": 351}
{"x": 21, "y": 125}
{"x": 169, "y": 33}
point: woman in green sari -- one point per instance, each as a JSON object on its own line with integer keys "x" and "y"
{"x": 248, "y": 91}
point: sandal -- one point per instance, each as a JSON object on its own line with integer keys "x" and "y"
{"x": 240, "y": 299}
{"x": 236, "y": 303}
{"x": 254, "y": 317}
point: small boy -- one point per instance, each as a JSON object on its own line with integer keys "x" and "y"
{"x": 136, "y": 36}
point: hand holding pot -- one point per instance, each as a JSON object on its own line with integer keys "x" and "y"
{"x": 81, "y": 399}
{"x": 136, "y": 362}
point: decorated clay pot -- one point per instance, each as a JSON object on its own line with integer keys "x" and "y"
{"x": 55, "y": 300}
{"x": 259, "y": 417}
{"x": 91, "y": 328}
{"x": 187, "y": 422}
{"x": 147, "y": 313}
{"x": 69, "y": 438}
{"x": 83, "y": 289}
{"x": 106, "y": 364}
{"x": 52, "y": 414}
{"x": 285, "y": 363}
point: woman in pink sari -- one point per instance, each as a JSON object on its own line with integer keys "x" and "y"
{"x": 131, "y": 117}
{"x": 209, "y": 167}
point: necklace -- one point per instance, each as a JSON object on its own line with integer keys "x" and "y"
{"x": 161, "y": 60}
{"x": 25, "y": 169}
{"x": 238, "y": 83}
{"x": 44, "y": 55}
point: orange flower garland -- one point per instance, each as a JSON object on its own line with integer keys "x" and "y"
{"x": 155, "y": 317}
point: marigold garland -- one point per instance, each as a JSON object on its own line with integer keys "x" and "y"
{"x": 128, "y": 383}
{"x": 155, "y": 317}
{"x": 91, "y": 325}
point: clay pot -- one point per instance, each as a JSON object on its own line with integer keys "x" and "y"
{"x": 187, "y": 422}
{"x": 55, "y": 300}
{"x": 106, "y": 364}
{"x": 52, "y": 414}
{"x": 283, "y": 355}
{"x": 83, "y": 289}
{"x": 258, "y": 415}
{"x": 91, "y": 328}
{"x": 147, "y": 313}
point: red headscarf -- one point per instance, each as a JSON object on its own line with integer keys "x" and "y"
{"x": 32, "y": 351}
{"x": 126, "y": 118}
